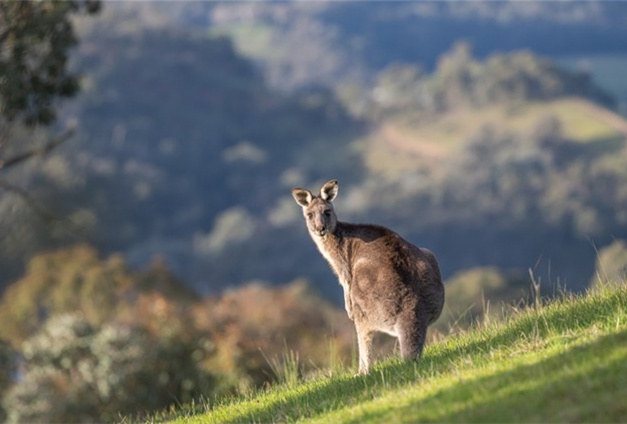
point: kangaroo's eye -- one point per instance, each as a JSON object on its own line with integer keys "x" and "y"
{"x": 327, "y": 213}
{"x": 309, "y": 215}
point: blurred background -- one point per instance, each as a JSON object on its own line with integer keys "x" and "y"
{"x": 150, "y": 250}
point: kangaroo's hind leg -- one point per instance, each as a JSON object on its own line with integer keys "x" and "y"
{"x": 364, "y": 341}
{"x": 412, "y": 334}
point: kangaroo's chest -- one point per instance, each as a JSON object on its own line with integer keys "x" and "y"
{"x": 337, "y": 259}
{"x": 340, "y": 267}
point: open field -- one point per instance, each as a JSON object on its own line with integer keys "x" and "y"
{"x": 396, "y": 146}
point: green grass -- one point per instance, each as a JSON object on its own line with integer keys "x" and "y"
{"x": 581, "y": 121}
{"x": 566, "y": 361}
{"x": 399, "y": 145}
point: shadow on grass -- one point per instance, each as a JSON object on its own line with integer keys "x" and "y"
{"x": 583, "y": 384}
{"x": 315, "y": 398}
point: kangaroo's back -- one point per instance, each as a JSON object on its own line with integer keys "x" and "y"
{"x": 390, "y": 285}
{"x": 389, "y": 275}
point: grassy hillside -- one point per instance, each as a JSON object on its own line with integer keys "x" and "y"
{"x": 563, "y": 362}
{"x": 397, "y": 145}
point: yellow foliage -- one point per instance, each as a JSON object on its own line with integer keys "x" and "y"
{"x": 77, "y": 280}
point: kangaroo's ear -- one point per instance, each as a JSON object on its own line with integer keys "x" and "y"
{"x": 302, "y": 196}
{"x": 329, "y": 190}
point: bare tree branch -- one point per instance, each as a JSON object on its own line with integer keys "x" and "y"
{"x": 4, "y": 35}
{"x": 45, "y": 214}
{"x": 40, "y": 151}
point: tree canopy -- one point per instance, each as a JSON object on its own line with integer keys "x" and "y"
{"x": 35, "y": 38}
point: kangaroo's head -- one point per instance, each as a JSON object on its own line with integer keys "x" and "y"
{"x": 318, "y": 210}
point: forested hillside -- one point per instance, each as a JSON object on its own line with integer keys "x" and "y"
{"x": 303, "y": 43}
{"x": 177, "y": 134}
{"x": 185, "y": 152}
{"x": 476, "y": 130}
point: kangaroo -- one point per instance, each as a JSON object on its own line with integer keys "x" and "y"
{"x": 389, "y": 284}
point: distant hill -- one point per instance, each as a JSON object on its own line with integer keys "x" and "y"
{"x": 175, "y": 129}
{"x": 396, "y": 147}
{"x": 356, "y": 40}
{"x": 297, "y": 44}
{"x": 187, "y": 151}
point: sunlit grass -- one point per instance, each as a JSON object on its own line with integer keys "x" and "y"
{"x": 581, "y": 121}
{"x": 403, "y": 144}
{"x": 565, "y": 361}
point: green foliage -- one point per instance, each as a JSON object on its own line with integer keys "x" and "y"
{"x": 526, "y": 77}
{"x": 7, "y": 367}
{"x": 563, "y": 362}
{"x": 460, "y": 81}
{"x": 35, "y": 37}
{"x": 74, "y": 372}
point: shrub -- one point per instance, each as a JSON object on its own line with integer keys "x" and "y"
{"x": 257, "y": 325}
{"x": 7, "y": 368}
{"x": 76, "y": 279}
{"x": 74, "y": 372}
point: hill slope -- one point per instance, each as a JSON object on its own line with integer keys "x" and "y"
{"x": 396, "y": 147}
{"x": 564, "y": 362}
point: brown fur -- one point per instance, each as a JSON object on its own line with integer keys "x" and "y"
{"x": 389, "y": 284}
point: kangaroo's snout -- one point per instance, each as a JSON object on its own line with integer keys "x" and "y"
{"x": 320, "y": 225}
